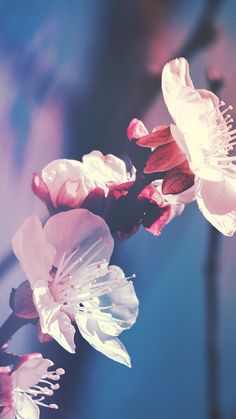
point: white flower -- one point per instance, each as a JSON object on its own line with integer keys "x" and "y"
{"x": 66, "y": 263}
{"x": 204, "y": 132}
{"x": 24, "y": 390}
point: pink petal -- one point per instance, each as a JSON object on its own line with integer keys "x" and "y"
{"x": 30, "y": 370}
{"x": 79, "y": 229}
{"x": 164, "y": 157}
{"x": 23, "y": 305}
{"x": 5, "y": 389}
{"x": 43, "y": 337}
{"x": 52, "y": 320}
{"x": 136, "y": 129}
{"x": 160, "y": 223}
{"x": 177, "y": 180}
{"x": 34, "y": 253}
{"x": 40, "y": 188}
{"x": 160, "y": 135}
{"x": 8, "y": 413}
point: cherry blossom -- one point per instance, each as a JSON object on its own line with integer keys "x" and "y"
{"x": 67, "y": 183}
{"x": 66, "y": 263}
{"x": 203, "y": 131}
{"x": 24, "y": 389}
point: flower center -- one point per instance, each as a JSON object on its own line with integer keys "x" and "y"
{"x": 79, "y": 284}
{"x": 43, "y": 388}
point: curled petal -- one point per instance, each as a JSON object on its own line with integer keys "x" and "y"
{"x": 160, "y": 135}
{"x": 157, "y": 226}
{"x": 136, "y": 129}
{"x": 106, "y": 169}
{"x": 52, "y": 320}
{"x": 67, "y": 181}
{"x": 79, "y": 229}
{"x": 30, "y": 370}
{"x": 33, "y": 251}
{"x": 164, "y": 157}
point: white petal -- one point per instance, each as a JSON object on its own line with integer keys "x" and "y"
{"x": 225, "y": 223}
{"x": 123, "y": 301}
{"x": 105, "y": 170}
{"x": 31, "y": 248}
{"x": 59, "y": 172}
{"x": 30, "y": 371}
{"x": 219, "y": 197}
{"x": 175, "y": 76}
{"x": 24, "y": 407}
{"x": 52, "y": 320}
{"x": 109, "y": 346}
{"x": 79, "y": 229}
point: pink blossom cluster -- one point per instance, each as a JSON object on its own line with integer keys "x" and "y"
{"x": 70, "y": 283}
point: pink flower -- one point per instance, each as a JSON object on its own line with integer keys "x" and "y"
{"x": 203, "y": 131}
{"x": 66, "y": 263}
{"x": 24, "y": 389}
{"x": 67, "y": 183}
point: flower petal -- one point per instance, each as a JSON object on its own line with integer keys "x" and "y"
{"x": 175, "y": 76}
{"x": 177, "y": 180}
{"x": 225, "y": 223}
{"x": 62, "y": 177}
{"x": 136, "y": 129}
{"x": 30, "y": 370}
{"x": 5, "y": 387}
{"x": 122, "y": 300}
{"x": 8, "y": 413}
{"x": 52, "y": 320}
{"x": 219, "y": 197}
{"x": 79, "y": 229}
{"x": 106, "y": 169}
{"x": 24, "y": 406}
{"x": 164, "y": 157}
{"x": 31, "y": 248}
{"x": 159, "y": 136}
{"x": 109, "y": 346}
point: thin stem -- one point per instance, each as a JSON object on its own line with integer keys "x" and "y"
{"x": 10, "y": 327}
{"x": 213, "y": 378}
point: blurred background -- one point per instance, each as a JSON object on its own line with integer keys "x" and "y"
{"x": 72, "y": 75}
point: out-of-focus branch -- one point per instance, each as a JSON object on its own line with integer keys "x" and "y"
{"x": 204, "y": 32}
{"x": 212, "y": 326}
{"x": 212, "y": 313}
{"x": 10, "y": 327}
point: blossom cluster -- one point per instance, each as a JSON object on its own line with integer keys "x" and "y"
{"x": 70, "y": 283}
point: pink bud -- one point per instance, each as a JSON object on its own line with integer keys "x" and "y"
{"x": 136, "y": 129}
